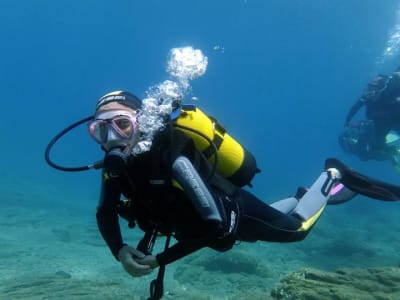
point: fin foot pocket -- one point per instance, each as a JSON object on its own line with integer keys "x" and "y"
{"x": 340, "y": 194}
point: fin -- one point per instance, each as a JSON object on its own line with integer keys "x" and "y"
{"x": 362, "y": 184}
{"x": 340, "y": 194}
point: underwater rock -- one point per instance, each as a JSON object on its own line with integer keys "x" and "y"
{"x": 344, "y": 283}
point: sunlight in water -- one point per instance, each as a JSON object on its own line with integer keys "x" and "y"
{"x": 392, "y": 46}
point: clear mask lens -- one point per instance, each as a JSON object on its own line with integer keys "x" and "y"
{"x": 121, "y": 127}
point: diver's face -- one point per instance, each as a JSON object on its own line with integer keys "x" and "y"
{"x": 114, "y": 126}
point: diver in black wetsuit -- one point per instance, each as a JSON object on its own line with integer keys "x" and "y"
{"x": 367, "y": 138}
{"x": 172, "y": 190}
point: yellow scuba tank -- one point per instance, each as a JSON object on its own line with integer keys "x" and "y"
{"x": 234, "y": 162}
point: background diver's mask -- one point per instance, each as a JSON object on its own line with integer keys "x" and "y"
{"x": 116, "y": 131}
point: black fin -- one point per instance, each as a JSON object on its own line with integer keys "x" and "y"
{"x": 364, "y": 185}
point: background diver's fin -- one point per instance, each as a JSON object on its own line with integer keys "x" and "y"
{"x": 364, "y": 185}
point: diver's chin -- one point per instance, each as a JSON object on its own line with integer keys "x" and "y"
{"x": 114, "y": 145}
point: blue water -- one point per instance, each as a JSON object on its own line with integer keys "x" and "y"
{"x": 281, "y": 77}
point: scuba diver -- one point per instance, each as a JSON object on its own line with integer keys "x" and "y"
{"x": 376, "y": 137}
{"x": 190, "y": 186}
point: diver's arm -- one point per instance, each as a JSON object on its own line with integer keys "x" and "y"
{"x": 172, "y": 254}
{"x": 107, "y": 216}
{"x": 392, "y": 90}
{"x": 353, "y": 110}
{"x": 179, "y": 250}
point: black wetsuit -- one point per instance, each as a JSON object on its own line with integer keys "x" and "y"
{"x": 156, "y": 204}
{"x": 383, "y": 107}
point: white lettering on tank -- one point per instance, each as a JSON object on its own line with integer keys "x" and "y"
{"x": 202, "y": 198}
{"x": 233, "y": 221}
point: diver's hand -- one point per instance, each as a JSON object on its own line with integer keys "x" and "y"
{"x": 129, "y": 258}
{"x": 149, "y": 260}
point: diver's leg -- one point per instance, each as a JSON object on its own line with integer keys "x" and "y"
{"x": 260, "y": 221}
{"x": 286, "y": 205}
{"x": 287, "y": 220}
{"x": 314, "y": 200}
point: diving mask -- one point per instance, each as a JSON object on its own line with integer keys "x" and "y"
{"x": 113, "y": 128}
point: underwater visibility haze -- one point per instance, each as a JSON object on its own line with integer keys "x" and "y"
{"x": 279, "y": 75}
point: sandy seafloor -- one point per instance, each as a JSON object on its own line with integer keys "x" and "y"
{"x": 52, "y": 251}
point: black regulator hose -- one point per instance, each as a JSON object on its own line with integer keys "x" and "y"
{"x": 96, "y": 165}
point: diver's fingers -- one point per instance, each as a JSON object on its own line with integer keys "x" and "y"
{"x": 136, "y": 253}
{"x": 135, "y": 269}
